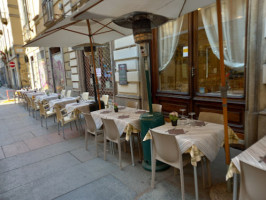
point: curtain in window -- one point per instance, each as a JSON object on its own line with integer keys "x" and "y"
{"x": 233, "y": 22}
{"x": 169, "y": 36}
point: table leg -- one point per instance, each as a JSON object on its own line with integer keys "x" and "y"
{"x": 235, "y": 187}
{"x": 196, "y": 183}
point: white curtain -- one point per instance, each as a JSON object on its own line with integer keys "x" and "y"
{"x": 168, "y": 40}
{"x": 233, "y": 21}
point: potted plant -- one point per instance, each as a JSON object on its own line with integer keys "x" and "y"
{"x": 115, "y": 107}
{"x": 59, "y": 96}
{"x": 173, "y": 117}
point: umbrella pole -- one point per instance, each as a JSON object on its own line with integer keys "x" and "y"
{"x": 94, "y": 65}
{"x": 223, "y": 87}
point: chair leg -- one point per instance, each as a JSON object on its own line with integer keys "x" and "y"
{"x": 132, "y": 153}
{"x": 104, "y": 148}
{"x": 196, "y": 183}
{"x": 86, "y": 140}
{"x": 153, "y": 166}
{"x": 76, "y": 125}
{"x": 70, "y": 126}
{"x": 54, "y": 118}
{"x": 119, "y": 153}
{"x": 63, "y": 132}
{"x": 58, "y": 128}
{"x": 96, "y": 143}
{"x": 46, "y": 122}
{"x": 182, "y": 183}
{"x": 41, "y": 121}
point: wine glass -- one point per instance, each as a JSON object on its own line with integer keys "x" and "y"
{"x": 182, "y": 110}
{"x": 191, "y": 117}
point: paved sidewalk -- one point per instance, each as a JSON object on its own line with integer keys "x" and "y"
{"x": 36, "y": 163}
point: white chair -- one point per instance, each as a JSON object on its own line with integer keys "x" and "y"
{"x": 133, "y": 104}
{"x": 105, "y": 99}
{"x": 111, "y": 133}
{"x": 211, "y": 117}
{"x": 63, "y": 93}
{"x": 252, "y": 182}
{"x": 91, "y": 128}
{"x": 85, "y": 96}
{"x": 166, "y": 149}
{"x": 69, "y": 92}
{"x": 157, "y": 108}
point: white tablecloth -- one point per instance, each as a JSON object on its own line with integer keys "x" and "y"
{"x": 251, "y": 156}
{"x": 61, "y": 102}
{"x": 197, "y": 140}
{"x": 122, "y": 124}
{"x": 34, "y": 94}
{"x": 72, "y": 106}
{"x": 46, "y": 97}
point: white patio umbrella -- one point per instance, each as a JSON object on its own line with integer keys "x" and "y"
{"x": 96, "y": 16}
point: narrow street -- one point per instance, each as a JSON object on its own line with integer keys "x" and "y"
{"x": 36, "y": 163}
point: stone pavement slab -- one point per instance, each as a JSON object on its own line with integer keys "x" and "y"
{"x": 36, "y": 142}
{"x": 15, "y": 148}
{"x": 57, "y": 184}
{"x": 1, "y": 154}
{"x": 39, "y": 154}
{"x": 29, "y": 173}
{"x": 105, "y": 188}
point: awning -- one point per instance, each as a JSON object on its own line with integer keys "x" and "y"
{"x": 68, "y": 33}
{"x": 73, "y": 30}
{"x": 116, "y": 8}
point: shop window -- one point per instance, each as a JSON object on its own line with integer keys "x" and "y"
{"x": 48, "y": 13}
{"x": 233, "y": 22}
{"x": 173, "y": 54}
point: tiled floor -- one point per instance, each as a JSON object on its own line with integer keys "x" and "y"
{"x": 38, "y": 164}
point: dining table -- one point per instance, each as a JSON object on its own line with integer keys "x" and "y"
{"x": 255, "y": 156}
{"x": 46, "y": 97}
{"x": 61, "y": 102}
{"x": 126, "y": 119}
{"x": 82, "y": 106}
{"x": 197, "y": 138}
{"x": 34, "y": 94}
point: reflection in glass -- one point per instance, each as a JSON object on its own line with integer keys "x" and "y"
{"x": 173, "y": 52}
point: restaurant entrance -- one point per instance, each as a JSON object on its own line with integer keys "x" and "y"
{"x": 185, "y": 63}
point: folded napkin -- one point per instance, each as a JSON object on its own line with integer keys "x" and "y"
{"x": 176, "y": 131}
{"x": 199, "y": 123}
{"x": 262, "y": 159}
{"x": 140, "y": 112}
{"x": 105, "y": 112}
{"x": 123, "y": 116}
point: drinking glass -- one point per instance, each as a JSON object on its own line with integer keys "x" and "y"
{"x": 182, "y": 110}
{"x": 191, "y": 117}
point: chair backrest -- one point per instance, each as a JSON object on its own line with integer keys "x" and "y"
{"x": 105, "y": 99}
{"x": 91, "y": 126}
{"x": 252, "y": 182}
{"x": 63, "y": 93}
{"x": 166, "y": 149}
{"x": 69, "y": 92}
{"x": 59, "y": 116}
{"x": 42, "y": 110}
{"x": 157, "y": 107}
{"x": 133, "y": 104}
{"x": 110, "y": 130}
{"x": 85, "y": 96}
{"x": 211, "y": 117}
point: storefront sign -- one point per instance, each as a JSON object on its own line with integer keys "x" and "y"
{"x": 12, "y": 64}
{"x": 98, "y": 72}
{"x": 122, "y": 74}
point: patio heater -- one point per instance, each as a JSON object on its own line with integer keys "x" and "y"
{"x": 142, "y": 23}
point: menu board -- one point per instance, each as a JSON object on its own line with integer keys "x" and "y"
{"x": 122, "y": 74}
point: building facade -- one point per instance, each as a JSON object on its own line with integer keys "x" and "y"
{"x": 14, "y": 71}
